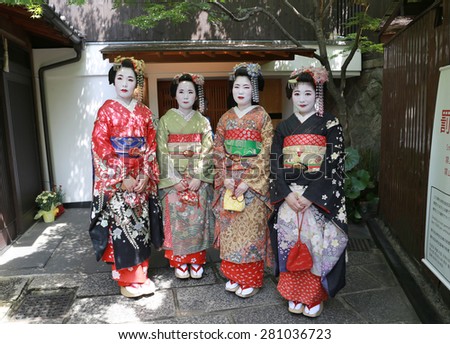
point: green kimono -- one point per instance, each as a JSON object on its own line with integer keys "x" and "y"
{"x": 184, "y": 150}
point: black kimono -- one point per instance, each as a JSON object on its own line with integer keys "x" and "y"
{"x": 310, "y": 156}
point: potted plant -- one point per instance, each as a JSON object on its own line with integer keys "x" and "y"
{"x": 46, "y": 202}
{"x": 360, "y": 195}
{"x": 59, "y": 199}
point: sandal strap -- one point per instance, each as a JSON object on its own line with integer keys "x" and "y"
{"x": 181, "y": 269}
{"x": 196, "y": 269}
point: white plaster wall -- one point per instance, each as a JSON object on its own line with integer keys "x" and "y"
{"x": 74, "y": 93}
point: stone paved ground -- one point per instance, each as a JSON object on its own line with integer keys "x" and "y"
{"x": 50, "y": 276}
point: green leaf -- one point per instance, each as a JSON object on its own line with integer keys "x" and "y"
{"x": 351, "y": 158}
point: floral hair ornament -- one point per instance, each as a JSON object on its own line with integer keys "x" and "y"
{"x": 199, "y": 80}
{"x": 139, "y": 68}
{"x": 320, "y": 77}
{"x": 254, "y": 71}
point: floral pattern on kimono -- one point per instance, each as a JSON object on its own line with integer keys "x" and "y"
{"x": 310, "y": 155}
{"x": 243, "y": 237}
{"x": 131, "y": 219}
{"x": 188, "y": 228}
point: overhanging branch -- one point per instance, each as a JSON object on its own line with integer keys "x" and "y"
{"x": 253, "y": 11}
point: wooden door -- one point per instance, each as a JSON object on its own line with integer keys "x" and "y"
{"x": 216, "y": 93}
{"x": 20, "y": 172}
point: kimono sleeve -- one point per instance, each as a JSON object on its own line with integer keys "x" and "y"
{"x": 108, "y": 167}
{"x": 219, "y": 154}
{"x": 203, "y": 168}
{"x": 279, "y": 188}
{"x": 327, "y": 192}
{"x": 168, "y": 176}
{"x": 257, "y": 175}
{"x": 151, "y": 168}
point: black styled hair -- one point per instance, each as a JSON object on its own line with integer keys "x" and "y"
{"x": 174, "y": 86}
{"x": 125, "y": 64}
{"x": 242, "y": 71}
{"x": 302, "y": 77}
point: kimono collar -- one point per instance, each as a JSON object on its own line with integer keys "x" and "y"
{"x": 301, "y": 118}
{"x": 187, "y": 117}
{"x": 130, "y": 107}
{"x": 242, "y": 113}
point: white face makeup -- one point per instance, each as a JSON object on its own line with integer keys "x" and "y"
{"x": 242, "y": 92}
{"x": 304, "y": 98}
{"x": 125, "y": 83}
{"x": 185, "y": 96}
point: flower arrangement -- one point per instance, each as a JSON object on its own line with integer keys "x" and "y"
{"x": 47, "y": 200}
{"x": 48, "y": 205}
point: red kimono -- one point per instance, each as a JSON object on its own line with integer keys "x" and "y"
{"x": 124, "y": 224}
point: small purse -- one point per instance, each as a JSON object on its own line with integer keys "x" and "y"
{"x": 233, "y": 203}
{"x": 299, "y": 257}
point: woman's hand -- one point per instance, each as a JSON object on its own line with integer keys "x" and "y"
{"x": 194, "y": 184}
{"x": 229, "y": 184}
{"x": 297, "y": 203}
{"x": 240, "y": 190}
{"x": 293, "y": 201}
{"x": 141, "y": 184}
{"x": 181, "y": 186}
{"x": 304, "y": 203}
{"x": 128, "y": 184}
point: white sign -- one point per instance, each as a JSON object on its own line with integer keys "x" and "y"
{"x": 437, "y": 232}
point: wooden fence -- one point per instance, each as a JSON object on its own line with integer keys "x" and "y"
{"x": 411, "y": 72}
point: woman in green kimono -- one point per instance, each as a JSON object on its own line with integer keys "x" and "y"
{"x": 184, "y": 141}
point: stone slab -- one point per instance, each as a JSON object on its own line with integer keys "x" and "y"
{"x": 11, "y": 288}
{"x": 165, "y": 278}
{"x": 99, "y": 284}
{"x": 365, "y": 257}
{"x": 382, "y": 273}
{"x": 54, "y": 281}
{"x": 32, "y": 250}
{"x": 389, "y": 306}
{"x": 212, "y": 298}
{"x": 358, "y": 279}
{"x": 205, "y": 319}
{"x": 122, "y": 310}
{"x": 334, "y": 313}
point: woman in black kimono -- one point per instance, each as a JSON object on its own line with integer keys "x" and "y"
{"x": 307, "y": 191}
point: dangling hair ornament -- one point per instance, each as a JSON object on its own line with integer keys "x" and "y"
{"x": 320, "y": 77}
{"x": 199, "y": 80}
{"x": 139, "y": 68}
{"x": 254, "y": 71}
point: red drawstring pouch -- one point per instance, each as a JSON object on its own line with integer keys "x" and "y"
{"x": 299, "y": 257}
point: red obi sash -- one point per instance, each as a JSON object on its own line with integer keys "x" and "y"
{"x": 305, "y": 139}
{"x": 243, "y": 134}
{"x": 186, "y": 145}
{"x": 304, "y": 151}
{"x": 185, "y": 138}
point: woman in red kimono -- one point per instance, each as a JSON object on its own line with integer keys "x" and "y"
{"x": 241, "y": 151}
{"x": 307, "y": 191}
{"x": 126, "y": 216}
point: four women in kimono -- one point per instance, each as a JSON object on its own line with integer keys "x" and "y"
{"x": 184, "y": 142}
{"x": 304, "y": 164}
